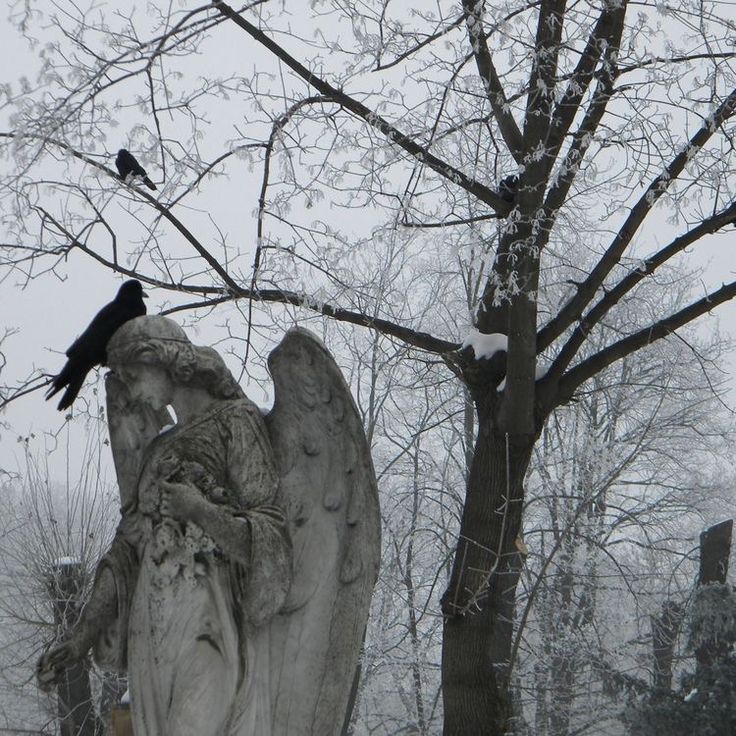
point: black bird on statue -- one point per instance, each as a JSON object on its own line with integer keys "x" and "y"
{"x": 128, "y": 165}
{"x": 90, "y": 348}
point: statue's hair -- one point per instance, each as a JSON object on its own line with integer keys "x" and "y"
{"x": 158, "y": 341}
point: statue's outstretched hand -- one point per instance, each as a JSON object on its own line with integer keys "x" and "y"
{"x": 52, "y": 664}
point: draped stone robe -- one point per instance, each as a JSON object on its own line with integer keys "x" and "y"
{"x": 191, "y": 625}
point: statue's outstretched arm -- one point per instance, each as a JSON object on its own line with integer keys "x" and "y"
{"x": 99, "y": 612}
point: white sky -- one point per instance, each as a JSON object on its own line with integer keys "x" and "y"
{"x": 49, "y": 313}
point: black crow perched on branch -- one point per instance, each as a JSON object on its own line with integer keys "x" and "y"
{"x": 128, "y": 165}
{"x": 90, "y": 348}
{"x": 508, "y": 188}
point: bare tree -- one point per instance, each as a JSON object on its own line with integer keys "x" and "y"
{"x": 380, "y": 133}
{"x": 51, "y": 537}
{"x": 615, "y": 496}
{"x": 410, "y": 413}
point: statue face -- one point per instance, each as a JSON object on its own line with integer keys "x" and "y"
{"x": 148, "y": 384}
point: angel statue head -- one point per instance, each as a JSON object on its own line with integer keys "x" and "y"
{"x": 153, "y": 356}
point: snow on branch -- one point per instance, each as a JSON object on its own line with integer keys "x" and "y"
{"x": 485, "y": 346}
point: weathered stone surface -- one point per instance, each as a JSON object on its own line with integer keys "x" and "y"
{"x": 236, "y": 591}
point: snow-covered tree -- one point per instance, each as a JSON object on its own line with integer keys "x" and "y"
{"x": 615, "y": 493}
{"x": 342, "y": 159}
{"x": 705, "y": 702}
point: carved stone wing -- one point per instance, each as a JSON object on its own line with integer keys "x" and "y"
{"x": 328, "y": 489}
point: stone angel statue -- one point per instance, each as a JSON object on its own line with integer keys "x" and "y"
{"x": 235, "y": 593}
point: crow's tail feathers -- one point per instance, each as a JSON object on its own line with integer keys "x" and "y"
{"x": 131, "y": 179}
{"x": 58, "y": 382}
{"x": 53, "y": 390}
{"x": 72, "y": 389}
{"x": 72, "y": 378}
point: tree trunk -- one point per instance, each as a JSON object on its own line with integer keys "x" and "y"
{"x": 75, "y": 708}
{"x": 665, "y": 626}
{"x": 562, "y": 658}
{"x": 479, "y": 601}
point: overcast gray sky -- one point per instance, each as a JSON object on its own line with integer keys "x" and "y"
{"x": 50, "y": 312}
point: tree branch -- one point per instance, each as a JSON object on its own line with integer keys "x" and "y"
{"x": 428, "y": 40}
{"x": 604, "y": 40}
{"x": 614, "y": 295}
{"x": 164, "y": 210}
{"x": 394, "y": 135}
{"x": 587, "y": 289}
{"x": 276, "y": 128}
{"x": 618, "y": 350}
{"x": 537, "y": 117}
{"x": 450, "y": 223}
{"x": 473, "y": 10}
{"x": 416, "y": 339}
{"x": 581, "y": 140}
{"x": 421, "y": 340}
{"x": 9, "y": 394}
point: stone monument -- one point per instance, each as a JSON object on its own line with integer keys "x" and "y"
{"x": 235, "y": 593}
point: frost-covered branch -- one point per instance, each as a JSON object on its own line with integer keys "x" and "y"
{"x": 587, "y": 288}
{"x": 473, "y": 12}
{"x": 164, "y": 210}
{"x": 612, "y": 296}
{"x": 602, "y": 44}
{"x": 540, "y": 98}
{"x": 417, "y": 47}
{"x": 581, "y": 372}
{"x": 414, "y": 338}
{"x": 393, "y": 134}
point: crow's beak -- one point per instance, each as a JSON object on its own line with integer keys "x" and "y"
{"x": 144, "y": 295}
